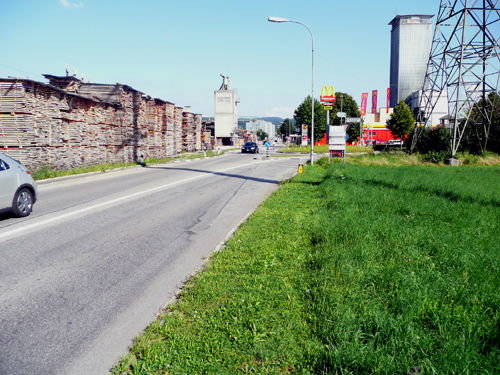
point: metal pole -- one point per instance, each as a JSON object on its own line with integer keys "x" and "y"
{"x": 328, "y": 129}
{"x": 280, "y": 19}
{"x": 312, "y": 97}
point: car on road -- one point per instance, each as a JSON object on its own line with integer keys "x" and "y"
{"x": 250, "y": 147}
{"x": 18, "y": 190}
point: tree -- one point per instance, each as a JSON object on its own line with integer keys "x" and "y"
{"x": 434, "y": 140}
{"x": 344, "y": 103}
{"x": 401, "y": 122}
{"x": 478, "y": 136}
{"x": 261, "y": 134}
{"x": 287, "y": 127}
{"x": 302, "y": 115}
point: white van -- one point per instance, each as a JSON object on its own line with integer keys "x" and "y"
{"x": 17, "y": 188}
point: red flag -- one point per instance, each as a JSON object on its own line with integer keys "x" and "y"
{"x": 388, "y": 100}
{"x": 374, "y": 101}
{"x": 364, "y": 102}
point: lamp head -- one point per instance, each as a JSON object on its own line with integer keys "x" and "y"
{"x": 277, "y": 19}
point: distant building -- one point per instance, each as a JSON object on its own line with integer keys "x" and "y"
{"x": 263, "y": 125}
{"x": 226, "y": 112}
{"x": 411, "y": 41}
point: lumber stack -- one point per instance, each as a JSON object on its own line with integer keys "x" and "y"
{"x": 44, "y": 125}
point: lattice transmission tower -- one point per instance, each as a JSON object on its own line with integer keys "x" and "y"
{"x": 463, "y": 67}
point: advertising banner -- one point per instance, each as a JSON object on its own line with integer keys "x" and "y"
{"x": 304, "y": 135}
{"x": 374, "y": 101}
{"x": 388, "y": 100}
{"x": 364, "y": 102}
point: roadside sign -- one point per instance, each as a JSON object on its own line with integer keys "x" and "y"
{"x": 327, "y": 107}
{"x": 336, "y": 141}
{"x": 353, "y": 120}
{"x": 328, "y": 94}
{"x": 341, "y": 114}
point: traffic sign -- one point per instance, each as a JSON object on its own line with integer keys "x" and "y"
{"x": 353, "y": 120}
{"x": 341, "y": 114}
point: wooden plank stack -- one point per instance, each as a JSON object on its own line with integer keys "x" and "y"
{"x": 47, "y": 125}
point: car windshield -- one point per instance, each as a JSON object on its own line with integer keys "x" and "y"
{"x": 249, "y": 144}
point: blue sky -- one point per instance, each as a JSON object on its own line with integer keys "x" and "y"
{"x": 175, "y": 50}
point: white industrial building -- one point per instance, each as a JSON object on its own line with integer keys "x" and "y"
{"x": 411, "y": 41}
{"x": 263, "y": 125}
{"x": 226, "y": 112}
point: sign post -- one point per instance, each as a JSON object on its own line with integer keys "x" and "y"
{"x": 328, "y": 100}
{"x": 336, "y": 142}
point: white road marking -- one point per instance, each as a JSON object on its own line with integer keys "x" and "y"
{"x": 38, "y": 223}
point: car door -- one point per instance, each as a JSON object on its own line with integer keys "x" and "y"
{"x": 8, "y": 184}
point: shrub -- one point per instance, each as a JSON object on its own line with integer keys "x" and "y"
{"x": 434, "y": 140}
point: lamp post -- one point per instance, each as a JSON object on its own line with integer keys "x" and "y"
{"x": 280, "y": 20}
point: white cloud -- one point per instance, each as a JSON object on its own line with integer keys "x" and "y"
{"x": 279, "y": 112}
{"x": 71, "y": 4}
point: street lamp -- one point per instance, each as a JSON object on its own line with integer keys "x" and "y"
{"x": 280, "y": 20}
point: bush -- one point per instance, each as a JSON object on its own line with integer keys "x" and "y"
{"x": 435, "y": 157}
{"x": 434, "y": 140}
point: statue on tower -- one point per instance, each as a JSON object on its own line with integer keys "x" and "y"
{"x": 225, "y": 82}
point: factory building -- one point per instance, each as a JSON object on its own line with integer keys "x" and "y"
{"x": 411, "y": 41}
{"x": 226, "y": 113}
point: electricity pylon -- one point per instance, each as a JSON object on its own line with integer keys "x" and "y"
{"x": 463, "y": 67}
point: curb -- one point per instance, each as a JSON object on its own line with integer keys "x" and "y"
{"x": 80, "y": 175}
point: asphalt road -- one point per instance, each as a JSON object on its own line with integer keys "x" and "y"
{"x": 101, "y": 255}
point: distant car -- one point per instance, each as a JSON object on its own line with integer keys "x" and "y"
{"x": 18, "y": 190}
{"x": 250, "y": 147}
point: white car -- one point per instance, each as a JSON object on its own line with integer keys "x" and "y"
{"x": 17, "y": 188}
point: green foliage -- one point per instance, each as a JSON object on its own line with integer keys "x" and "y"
{"x": 302, "y": 115}
{"x": 261, "y": 134}
{"x": 347, "y": 104}
{"x": 287, "y": 127}
{"x": 45, "y": 172}
{"x": 353, "y": 132}
{"x": 477, "y": 137}
{"x": 324, "y": 149}
{"x": 435, "y": 157}
{"x": 401, "y": 121}
{"x": 433, "y": 140}
{"x": 363, "y": 269}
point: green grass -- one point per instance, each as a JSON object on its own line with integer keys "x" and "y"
{"x": 399, "y": 158}
{"x": 51, "y": 172}
{"x": 324, "y": 149}
{"x": 346, "y": 269}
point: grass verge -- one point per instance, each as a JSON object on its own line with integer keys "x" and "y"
{"x": 324, "y": 149}
{"x": 347, "y": 269}
{"x": 51, "y": 172}
{"x": 397, "y": 158}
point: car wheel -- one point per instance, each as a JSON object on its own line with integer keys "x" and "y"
{"x": 22, "y": 204}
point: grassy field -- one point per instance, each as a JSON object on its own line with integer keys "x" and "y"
{"x": 347, "y": 269}
{"x": 50, "y": 172}
{"x": 324, "y": 149}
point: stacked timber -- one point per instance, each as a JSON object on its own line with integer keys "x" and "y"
{"x": 178, "y": 129}
{"x": 188, "y": 136}
{"x": 169, "y": 118}
{"x": 72, "y": 123}
{"x": 197, "y": 131}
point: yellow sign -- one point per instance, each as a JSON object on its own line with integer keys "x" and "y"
{"x": 328, "y": 91}
{"x": 300, "y": 169}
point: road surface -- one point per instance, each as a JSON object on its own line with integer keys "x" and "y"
{"x": 102, "y": 254}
